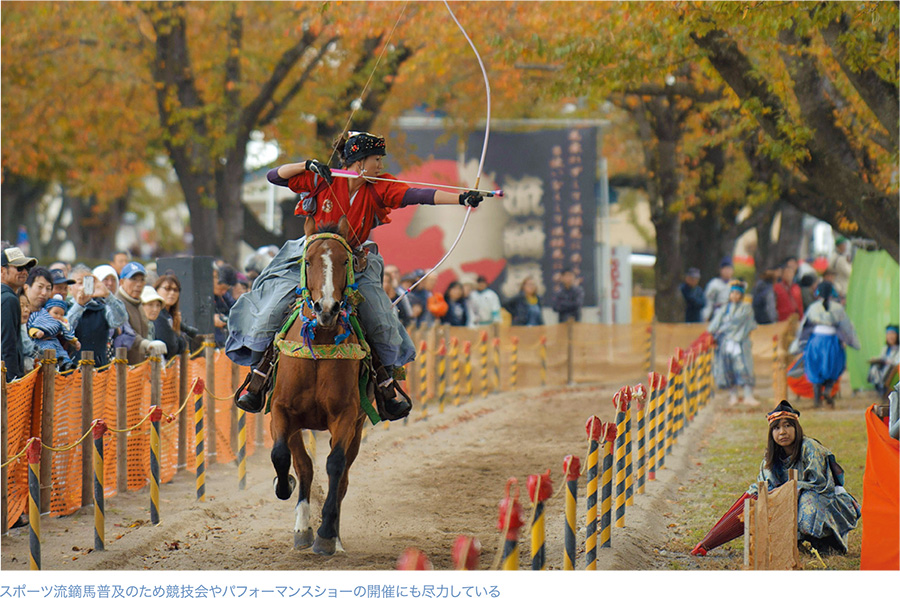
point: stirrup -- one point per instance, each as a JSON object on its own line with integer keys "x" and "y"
{"x": 382, "y": 399}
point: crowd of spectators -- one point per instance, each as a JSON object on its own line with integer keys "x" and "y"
{"x": 123, "y": 303}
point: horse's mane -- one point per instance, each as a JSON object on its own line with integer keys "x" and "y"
{"x": 328, "y": 227}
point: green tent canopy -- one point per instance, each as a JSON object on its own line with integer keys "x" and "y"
{"x": 872, "y": 304}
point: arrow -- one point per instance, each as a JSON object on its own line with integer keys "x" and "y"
{"x": 349, "y": 174}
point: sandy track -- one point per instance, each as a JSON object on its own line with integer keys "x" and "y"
{"x": 419, "y": 484}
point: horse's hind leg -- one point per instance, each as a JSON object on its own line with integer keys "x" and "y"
{"x": 342, "y": 454}
{"x": 281, "y": 455}
{"x": 303, "y": 534}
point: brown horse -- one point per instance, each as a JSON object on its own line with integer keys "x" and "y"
{"x": 318, "y": 394}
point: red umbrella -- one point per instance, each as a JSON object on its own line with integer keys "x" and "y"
{"x": 726, "y": 529}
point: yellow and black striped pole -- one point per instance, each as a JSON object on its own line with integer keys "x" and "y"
{"x": 629, "y": 464}
{"x": 690, "y": 382}
{"x": 454, "y": 369}
{"x": 606, "y": 478}
{"x": 242, "y": 449}
{"x": 653, "y": 380}
{"x": 483, "y": 360}
{"x": 539, "y": 490}
{"x": 676, "y": 400}
{"x": 423, "y": 378}
{"x": 509, "y": 522}
{"x": 495, "y": 356}
{"x": 620, "y": 401}
{"x": 197, "y": 391}
{"x": 467, "y": 368}
{"x": 640, "y": 394}
{"x": 514, "y": 362}
{"x": 681, "y": 392}
{"x": 155, "y": 416}
{"x": 98, "y": 431}
{"x": 668, "y": 398}
{"x": 33, "y": 452}
{"x": 441, "y": 374}
{"x": 594, "y": 429}
{"x": 572, "y": 471}
{"x": 542, "y": 347}
{"x": 648, "y": 349}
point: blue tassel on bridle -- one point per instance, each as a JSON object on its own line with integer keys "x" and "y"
{"x": 345, "y": 323}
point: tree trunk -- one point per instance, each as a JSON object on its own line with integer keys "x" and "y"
{"x": 92, "y": 231}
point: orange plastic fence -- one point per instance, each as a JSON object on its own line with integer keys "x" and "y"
{"x": 24, "y": 404}
{"x": 20, "y": 423}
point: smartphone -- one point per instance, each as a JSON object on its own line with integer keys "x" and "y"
{"x": 89, "y": 285}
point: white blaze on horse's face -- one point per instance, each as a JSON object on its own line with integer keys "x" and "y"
{"x": 328, "y": 299}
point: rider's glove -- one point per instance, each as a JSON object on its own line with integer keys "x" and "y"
{"x": 320, "y": 169}
{"x": 470, "y": 198}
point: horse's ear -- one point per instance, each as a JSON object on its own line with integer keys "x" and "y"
{"x": 309, "y": 227}
{"x": 344, "y": 227}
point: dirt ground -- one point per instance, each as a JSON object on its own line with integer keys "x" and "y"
{"x": 416, "y": 484}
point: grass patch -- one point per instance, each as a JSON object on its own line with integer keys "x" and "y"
{"x": 730, "y": 458}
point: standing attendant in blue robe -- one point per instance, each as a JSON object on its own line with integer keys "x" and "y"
{"x": 828, "y": 329}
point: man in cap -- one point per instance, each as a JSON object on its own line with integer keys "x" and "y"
{"x": 136, "y": 336}
{"x": 694, "y": 299}
{"x": 60, "y": 282}
{"x": 718, "y": 289}
{"x": 13, "y": 275}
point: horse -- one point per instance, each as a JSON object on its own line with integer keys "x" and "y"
{"x": 319, "y": 393}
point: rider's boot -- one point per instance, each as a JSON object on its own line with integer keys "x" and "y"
{"x": 390, "y": 406}
{"x": 256, "y": 383}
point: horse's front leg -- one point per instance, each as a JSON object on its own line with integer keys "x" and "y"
{"x": 344, "y": 448}
{"x": 281, "y": 454}
{"x": 303, "y": 535}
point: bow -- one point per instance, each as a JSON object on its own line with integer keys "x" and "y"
{"x": 487, "y": 133}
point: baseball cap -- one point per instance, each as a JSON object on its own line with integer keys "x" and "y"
{"x": 693, "y": 272}
{"x": 149, "y": 294}
{"x": 13, "y": 256}
{"x": 59, "y": 277}
{"x": 726, "y": 261}
{"x": 132, "y": 268}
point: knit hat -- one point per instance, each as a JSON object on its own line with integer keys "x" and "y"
{"x": 56, "y": 301}
{"x": 783, "y": 410}
{"x": 738, "y": 285}
{"x": 363, "y": 145}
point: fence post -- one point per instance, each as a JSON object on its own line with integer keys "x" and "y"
{"x": 87, "y": 418}
{"x": 209, "y": 351}
{"x": 423, "y": 377}
{"x": 183, "y": 361}
{"x": 454, "y": 369}
{"x": 572, "y": 471}
{"x": 514, "y": 362}
{"x": 542, "y": 353}
{"x": 4, "y": 440}
{"x": 570, "y": 352}
{"x": 47, "y": 402}
{"x": 121, "y": 362}
{"x": 482, "y": 350}
{"x": 467, "y": 367}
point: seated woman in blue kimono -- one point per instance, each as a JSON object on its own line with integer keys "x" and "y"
{"x": 825, "y": 511}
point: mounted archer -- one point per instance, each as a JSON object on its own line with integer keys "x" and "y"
{"x": 258, "y": 315}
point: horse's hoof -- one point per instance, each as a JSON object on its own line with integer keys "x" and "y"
{"x": 303, "y": 539}
{"x": 282, "y": 492}
{"x": 325, "y": 546}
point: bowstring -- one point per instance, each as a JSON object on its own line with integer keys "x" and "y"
{"x": 487, "y": 133}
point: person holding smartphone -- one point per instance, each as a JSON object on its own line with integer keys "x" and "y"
{"x": 93, "y": 313}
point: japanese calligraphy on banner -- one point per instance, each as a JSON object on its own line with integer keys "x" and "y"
{"x": 543, "y": 225}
